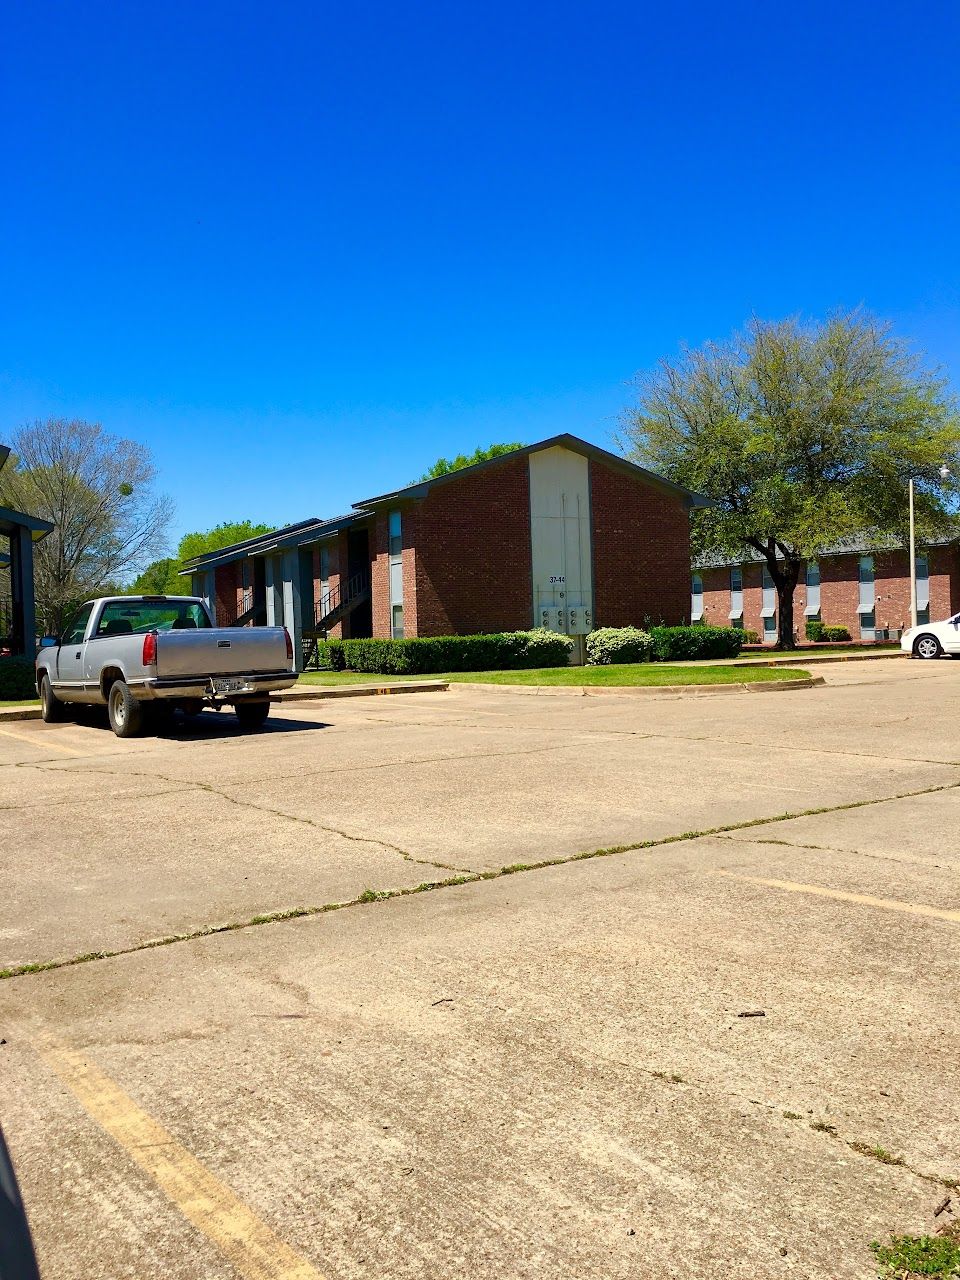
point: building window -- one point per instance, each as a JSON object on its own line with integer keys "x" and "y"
{"x": 396, "y": 576}
{"x": 923, "y": 589}
{"x": 867, "y": 601}
{"x": 736, "y": 594}
{"x": 812, "y": 610}
{"x": 923, "y": 616}
{"x": 769, "y": 610}
{"x": 696, "y": 598}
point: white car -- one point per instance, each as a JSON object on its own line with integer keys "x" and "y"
{"x": 934, "y": 639}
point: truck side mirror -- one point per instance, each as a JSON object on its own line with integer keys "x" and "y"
{"x": 47, "y": 641}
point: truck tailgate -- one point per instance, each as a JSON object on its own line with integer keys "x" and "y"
{"x": 221, "y": 651}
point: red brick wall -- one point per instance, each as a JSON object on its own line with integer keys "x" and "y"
{"x": 641, "y": 551}
{"x": 337, "y": 552}
{"x": 380, "y": 575}
{"x": 228, "y": 585}
{"x": 840, "y": 591}
{"x": 469, "y": 545}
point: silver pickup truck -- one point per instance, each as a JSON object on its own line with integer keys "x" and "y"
{"x": 137, "y": 654}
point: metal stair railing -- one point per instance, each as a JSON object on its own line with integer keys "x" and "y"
{"x": 339, "y": 600}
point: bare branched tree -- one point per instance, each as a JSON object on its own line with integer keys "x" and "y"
{"x": 98, "y": 490}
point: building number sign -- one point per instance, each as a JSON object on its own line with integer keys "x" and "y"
{"x": 557, "y": 579}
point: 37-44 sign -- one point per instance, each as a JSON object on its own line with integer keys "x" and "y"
{"x": 557, "y": 579}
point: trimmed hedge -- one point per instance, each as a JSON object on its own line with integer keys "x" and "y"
{"x": 17, "y": 679}
{"x": 503, "y": 651}
{"x": 673, "y": 643}
{"x": 819, "y": 633}
{"x": 748, "y": 637}
{"x": 607, "y": 645}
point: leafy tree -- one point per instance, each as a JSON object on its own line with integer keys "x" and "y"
{"x": 803, "y": 435}
{"x": 222, "y": 535}
{"x": 98, "y": 490}
{"x": 158, "y": 579}
{"x": 444, "y": 466}
{"x": 162, "y": 577}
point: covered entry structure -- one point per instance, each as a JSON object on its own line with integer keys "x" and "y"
{"x": 18, "y": 615}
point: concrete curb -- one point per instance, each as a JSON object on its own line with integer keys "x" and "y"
{"x": 808, "y": 659}
{"x": 318, "y": 692}
{"x": 19, "y": 713}
{"x": 700, "y": 690}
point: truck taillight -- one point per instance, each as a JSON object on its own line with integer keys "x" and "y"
{"x": 150, "y": 649}
{"x": 286, "y": 636}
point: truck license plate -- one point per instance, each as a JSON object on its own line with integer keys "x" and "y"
{"x": 229, "y": 684}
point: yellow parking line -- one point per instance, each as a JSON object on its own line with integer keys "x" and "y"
{"x": 47, "y": 741}
{"x": 863, "y": 899}
{"x": 255, "y": 1251}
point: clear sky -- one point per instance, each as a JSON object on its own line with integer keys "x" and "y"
{"x": 301, "y": 250}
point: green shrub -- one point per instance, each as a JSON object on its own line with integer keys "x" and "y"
{"x": 814, "y": 629}
{"x": 330, "y": 655}
{"x": 503, "y": 651}
{"x": 747, "y": 637}
{"x": 833, "y": 635}
{"x": 544, "y": 648}
{"x": 672, "y": 643}
{"x": 17, "y": 679}
{"x": 618, "y": 644}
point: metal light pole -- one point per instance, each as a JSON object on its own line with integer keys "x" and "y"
{"x": 913, "y": 561}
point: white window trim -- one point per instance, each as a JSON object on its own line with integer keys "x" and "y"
{"x": 811, "y": 609}
{"x": 770, "y": 611}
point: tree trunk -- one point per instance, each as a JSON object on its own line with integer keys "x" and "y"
{"x": 785, "y": 574}
{"x": 785, "y": 628}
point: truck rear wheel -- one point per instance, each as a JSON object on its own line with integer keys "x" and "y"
{"x": 52, "y": 709}
{"x": 126, "y": 713}
{"x": 252, "y": 715}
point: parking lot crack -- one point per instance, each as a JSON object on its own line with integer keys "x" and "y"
{"x": 243, "y": 803}
{"x": 462, "y": 877}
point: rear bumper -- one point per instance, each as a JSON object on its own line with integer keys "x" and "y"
{"x": 203, "y": 687}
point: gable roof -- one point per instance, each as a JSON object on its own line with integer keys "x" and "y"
{"x": 291, "y": 535}
{"x": 314, "y": 529}
{"x": 422, "y": 487}
{"x": 863, "y": 543}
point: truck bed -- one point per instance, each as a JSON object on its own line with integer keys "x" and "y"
{"x": 221, "y": 651}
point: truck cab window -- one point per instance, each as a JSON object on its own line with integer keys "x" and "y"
{"x": 77, "y": 626}
{"x": 122, "y": 617}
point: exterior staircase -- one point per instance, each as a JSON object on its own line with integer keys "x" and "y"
{"x": 336, "y": 605}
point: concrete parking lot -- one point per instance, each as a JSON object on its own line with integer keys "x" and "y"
{"x": 535, "y": 1071}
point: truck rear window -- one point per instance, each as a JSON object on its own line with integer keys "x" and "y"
{"x": 123, "y": 618}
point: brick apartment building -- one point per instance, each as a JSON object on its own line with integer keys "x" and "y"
{"x": 559, "y": 534}
{"x": 858, "y": 585}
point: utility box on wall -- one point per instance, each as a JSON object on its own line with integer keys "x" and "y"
{"x": 561, "y": 541}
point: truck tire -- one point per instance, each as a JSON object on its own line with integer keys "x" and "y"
{"x": 252, "y": 715}
{"x": 126, "y": 713}
{"x": 52, "y": 710}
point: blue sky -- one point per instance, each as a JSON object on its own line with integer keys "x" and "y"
{"x": 301, "y": 250}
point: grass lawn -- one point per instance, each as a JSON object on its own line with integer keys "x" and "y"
{"x": 24, "y": 702}
{"x": 640, "y": 673}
